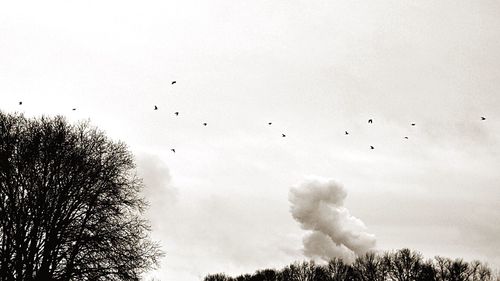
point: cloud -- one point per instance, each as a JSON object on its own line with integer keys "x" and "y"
{"x": 158, "y": 187}
{"x": 319, "y": 245}
{"x": 317, "y": 204}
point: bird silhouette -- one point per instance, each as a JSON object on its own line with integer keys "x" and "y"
{"x": 156, "y": 107}
{"x": 370, "y": 121}
{"x": 413, "y": 124}
{"x": 270, "y": 123}
{"x": 173, "y": 150}
{"x": 176, "y": 113}
{"x": 283, "y": 135}
{"x": 173, "y": 82}
{"x": 74, "y": 109}
{"x": 346, "y": 133}
{"x": 483, "y": 118}
{"x": 204, "y": 124}
{"x": 371, "y": 146}
{"x": 406, "y": 137}
{"x": 20, "y": 103}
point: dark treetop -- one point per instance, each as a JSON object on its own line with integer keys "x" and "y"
{"x": 69, "y": 204}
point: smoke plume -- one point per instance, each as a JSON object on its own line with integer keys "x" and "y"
{"x": 317, "y": 204}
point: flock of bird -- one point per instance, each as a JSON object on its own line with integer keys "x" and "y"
{"x": 370, "y": 121}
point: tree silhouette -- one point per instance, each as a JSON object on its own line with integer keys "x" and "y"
{"x": 69, "y": 204}
{"x": 401, "y": 265}
{"x": 337, "y": 270}
{"x": 370, "y": 267}
{"x": 217, "y": 277}
{"x": 406, "y": 265}
{"x": 265, "y": 275}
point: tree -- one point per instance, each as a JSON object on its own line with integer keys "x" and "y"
{"x": 370, "y": 267}
{"x": 304, "y": 271}
{"x": 264, "y": 275}
{"x": 338, "y": 270}
{"x": 217, "y": 277}
{"x": 244, "y": 277}
{"x": 479, "y": 271}
{"x": 459, "y": 270}
{"x": 406, "y": 265}
{"x": 69, "y": 204}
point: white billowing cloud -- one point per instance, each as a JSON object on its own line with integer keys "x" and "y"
{"x": 317, "y": 204}
{"x": 320, "y": 245}
{"x": 158, "y": 188}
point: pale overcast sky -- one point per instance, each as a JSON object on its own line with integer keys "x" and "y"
{"x": 314, "y": 69}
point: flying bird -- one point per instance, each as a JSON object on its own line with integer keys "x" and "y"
{"x": 406, "y": 137}
{"x": 413, "y": 124}
{"x": 270, "y": 123}
{"x": 20, "y": 103}
{"x": 370, "y": 121}
{"x": 483, "y": 118}
{"x": 371, "y": 146}
{"x": 204, "y": 124}
{"x": 173, "y": 82}
{"x": 176, "y": 113}
{"x": 74, "y": 109}
{"x": 173, "y": 150}
{"x": 283, "y": 135}
{"x": 346, "y": 133}
{"x": 156, "y": 107}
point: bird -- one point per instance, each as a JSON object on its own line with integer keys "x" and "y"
{"x": 20, "y": 103}
{"x": 156, "y": 107}
{"x": 204, "y": 124}
{"x": 270, "y": 123}
{"x": 371, "y": 146}
{"x": 413, "y": 124}
{"x": 370, "y": 121}
{"x": 346, "y": 133}
{"x": 283, "y": 135}
{"x": 176, "y": 113}
{"x": 74, "y": 109}
{"x": 173, "y": 150}
{"x": 406, "y": 137}
{"x": 483, "y": 118}
{"x": 173, "y": 82}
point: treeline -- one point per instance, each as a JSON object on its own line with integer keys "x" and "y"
{"x": 400, "y": 265}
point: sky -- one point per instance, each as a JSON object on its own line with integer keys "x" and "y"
{"x": 315, "y": 69}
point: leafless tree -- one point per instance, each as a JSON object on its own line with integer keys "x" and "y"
{"x": 217, "y": 277}
{"x": 479, "y": 271}
{"x": 369, "y": 267}
{"x": 406, "y": 265}
{"x": 338, "y": 270}
{"x": 69, "y": 204}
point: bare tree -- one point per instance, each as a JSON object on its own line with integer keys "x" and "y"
{"x": 459, "y": 270}
{"x": 370, "y": 267}
{"x": 479, "y": 271}
{"x": 305, "y": 271}
{"x": 217, "y": 277}
{"x": 69, "y": 204}
{"x": 338, "y": 270}
{"x": 244, "y": 277}
{"x": 406, "y": 265}
{"x": 265, "y": 275}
